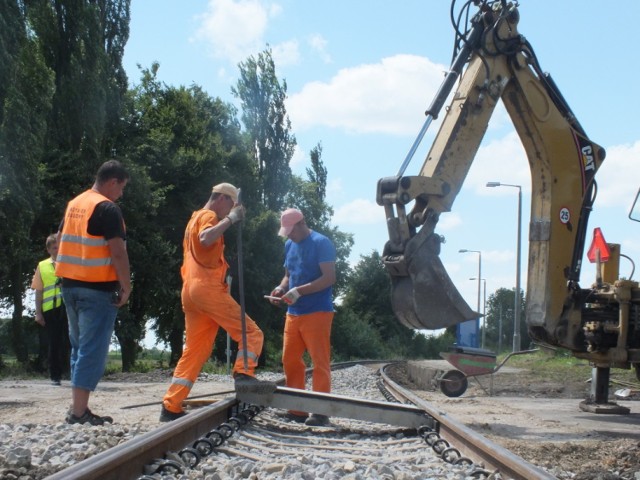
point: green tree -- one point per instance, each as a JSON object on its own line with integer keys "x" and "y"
{"x": 368, "y": 297}
{"x": 182, "y": 142}
{"x": 25, "y": 101}
{"x": 500, "y": 320}
{"x": 354, "y": 337}
{"x": 268, "y": 133}
{"x": 268, "y": 126}
{"x": 83, "y": 44}
{"x": 309, "y": 195}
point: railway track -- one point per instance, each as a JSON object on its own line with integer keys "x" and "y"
{"x": 396, "y": 432}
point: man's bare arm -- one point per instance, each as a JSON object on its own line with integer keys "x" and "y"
{"x": 120, "y": 260}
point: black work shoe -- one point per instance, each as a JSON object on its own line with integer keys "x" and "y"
{"x": 317, "y": 420}
{"x": 56, "y": 383}
{"x": 247, "y": 383}
{"x": 295, "y": 417}
{"x": 169, "y": 416}
{"x": 88, "y": 417}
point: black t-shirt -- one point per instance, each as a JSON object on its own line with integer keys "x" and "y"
{"x": 106, "y": 221}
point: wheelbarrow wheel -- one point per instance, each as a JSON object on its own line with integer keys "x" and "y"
{"x": 453, "y": 383}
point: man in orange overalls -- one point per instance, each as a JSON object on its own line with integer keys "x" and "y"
{"x": 206, "y": 301}
{"x": 309, "y": 273}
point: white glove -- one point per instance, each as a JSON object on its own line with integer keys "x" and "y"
{"x": 277, "y": 292}
{"x": 236, "y": 214}
{"x": 291, "y": 296}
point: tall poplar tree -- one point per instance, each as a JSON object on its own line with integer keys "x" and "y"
{"x": 265, "y": 118}
{"x": 83, "y": 43}
{"x": 25, "y": 100}
{"x": 62, "y": 82}
{"x": 182, "y": 142}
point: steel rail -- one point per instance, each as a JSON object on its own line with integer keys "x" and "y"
{"x": 470, "y": 443}
{"x": 127, "y": 460}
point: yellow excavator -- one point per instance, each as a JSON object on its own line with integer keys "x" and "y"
{"x": 493, "y": 62}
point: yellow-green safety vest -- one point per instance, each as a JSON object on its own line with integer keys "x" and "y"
{"x": 51, "y": 294}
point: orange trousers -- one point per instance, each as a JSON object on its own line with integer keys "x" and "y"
{"x": 206, "y": 309}
{"x": 310, "y": 332}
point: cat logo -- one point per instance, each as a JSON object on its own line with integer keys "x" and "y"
{"x": 587, "y": 158}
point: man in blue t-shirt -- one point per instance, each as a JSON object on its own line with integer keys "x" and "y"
{"x": 309, "y": 273}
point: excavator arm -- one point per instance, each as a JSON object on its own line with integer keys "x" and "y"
{"x": 495, "y": 63}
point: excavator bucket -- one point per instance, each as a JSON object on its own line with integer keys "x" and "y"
{"x": 427, "y": 298}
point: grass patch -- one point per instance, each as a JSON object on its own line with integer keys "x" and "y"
{"x": 560, "y": 365}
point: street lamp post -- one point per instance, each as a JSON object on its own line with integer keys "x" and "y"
{"x": 516, "y": 319}
{"x": 484, "y": 310}
{"x": 500, "y": 331}
{"x": 464, "y": 250}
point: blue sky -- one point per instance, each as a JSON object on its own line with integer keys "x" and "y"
{"x": 360, "y": 75}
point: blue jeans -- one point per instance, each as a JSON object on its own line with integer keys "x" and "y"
{"x": 92, "y": 316}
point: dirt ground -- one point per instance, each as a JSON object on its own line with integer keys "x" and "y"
{"x": 36, "y": 401}
{"x": 540, "y": 421}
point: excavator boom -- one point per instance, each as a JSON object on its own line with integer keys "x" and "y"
{"x": 495, "y": 63}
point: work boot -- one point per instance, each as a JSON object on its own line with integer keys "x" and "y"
{"x": 88, "y": 417}
{"x": 248, "y": 383}
{"x": 169, "y": 416}
{"x": 317, "y": 420}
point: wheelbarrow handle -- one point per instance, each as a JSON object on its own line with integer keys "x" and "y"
{"x": 512, "y": 354}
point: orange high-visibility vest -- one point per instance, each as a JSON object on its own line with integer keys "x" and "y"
{"x": 82, "y": 256}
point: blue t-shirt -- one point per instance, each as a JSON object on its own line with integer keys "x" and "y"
{"x": 302, "y": 261}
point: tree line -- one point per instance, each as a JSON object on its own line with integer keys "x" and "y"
{"x": 66, "y": 106}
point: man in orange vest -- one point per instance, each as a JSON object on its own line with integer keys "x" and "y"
{"x": 94, "y": 267}
{"x": 50, "y": 312}
{"x": 206, "y": 301}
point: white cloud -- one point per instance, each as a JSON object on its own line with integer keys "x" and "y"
{"x": 448, "y": 221}
{"x": 234, "y": 29}
{"x": 299, "y": 158}
{"x": 386, "y": 97}
{"x": 335, "y": 188}
{"x": 358, "y": 212}
{"x": 499, "y": 256}
{"x": 619, "y": 176}
{"x": 319, "y": 44}
{"x": 500, "y": 160}
{"x": 504, "y": 160}
{"x": 286, "y": 53}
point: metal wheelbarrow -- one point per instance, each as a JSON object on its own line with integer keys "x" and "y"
{"x": 470, "y": 362}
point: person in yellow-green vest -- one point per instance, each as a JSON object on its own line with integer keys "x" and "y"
{"x": 50, "y": 312}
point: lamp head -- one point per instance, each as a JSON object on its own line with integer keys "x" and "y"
{"x": 493, "y": 184}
